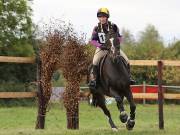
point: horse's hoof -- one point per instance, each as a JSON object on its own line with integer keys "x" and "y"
{"x": 130, "y": 124}
{"x": 123, "y": 117}
{"x": 114, "y": 129}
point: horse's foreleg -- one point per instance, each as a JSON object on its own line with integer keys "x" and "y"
{"x": 119, "y": 100}
{"x": 107, "y": 113}
{"x": 123, "y": 115}
{"x": 131, "y": 121}
{"x": 132, "y": 106}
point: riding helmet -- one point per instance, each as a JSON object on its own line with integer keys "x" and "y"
{"x": 103, "y": 12}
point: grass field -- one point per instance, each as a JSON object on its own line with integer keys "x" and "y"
{"x": 21, "y": 121}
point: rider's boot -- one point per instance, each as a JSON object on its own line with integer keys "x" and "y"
{"x": 132, "y": 81}
{"x": 93, "y": 77}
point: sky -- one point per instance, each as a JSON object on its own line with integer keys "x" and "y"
{"x": 133, "y": 15}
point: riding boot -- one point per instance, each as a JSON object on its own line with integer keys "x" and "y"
{"x": 132, "y": 81}
{"x": 93, "y": 79}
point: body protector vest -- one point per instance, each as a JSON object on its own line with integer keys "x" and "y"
{"x": 102, "y": 31}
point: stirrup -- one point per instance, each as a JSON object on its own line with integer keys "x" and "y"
{"x": 132, "y": 82}
{"x": 92, "y": 84}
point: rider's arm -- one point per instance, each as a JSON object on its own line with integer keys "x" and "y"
{"x": 95, "y": 43}
{"x": 116, "y": 29}
{"x": 94, "y": 38}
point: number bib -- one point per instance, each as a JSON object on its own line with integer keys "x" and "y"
{"x": 102, "y": 38}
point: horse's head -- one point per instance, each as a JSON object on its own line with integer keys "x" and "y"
{"x": 113, "y": 45}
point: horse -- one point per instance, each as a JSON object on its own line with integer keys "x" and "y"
{"x": 113, "y": 81}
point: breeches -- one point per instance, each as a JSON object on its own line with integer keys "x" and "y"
{"x": 100, "y": 53}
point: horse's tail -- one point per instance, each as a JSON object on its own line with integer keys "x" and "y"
{"x": 97, "y": 99}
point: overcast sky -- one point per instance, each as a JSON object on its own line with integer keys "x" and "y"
{"x": 133, "y": 15}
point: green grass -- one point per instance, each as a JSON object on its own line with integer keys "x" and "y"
{"x": 21, "y": 121}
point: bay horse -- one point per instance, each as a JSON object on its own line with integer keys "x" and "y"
{"x": 113, "y": 81}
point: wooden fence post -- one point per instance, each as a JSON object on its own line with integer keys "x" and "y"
{"x": 160, "y": 96}
{"x": 144, "y": 91}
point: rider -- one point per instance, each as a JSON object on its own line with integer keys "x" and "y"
{"x": 98, "y": 40}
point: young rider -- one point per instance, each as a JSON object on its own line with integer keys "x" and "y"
{"x": 98, "y": 40}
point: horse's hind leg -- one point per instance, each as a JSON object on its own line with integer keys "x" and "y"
{"x": 131, "y": 121}
{"x": 123, "y": 115}
{"x": 107, "y": 113}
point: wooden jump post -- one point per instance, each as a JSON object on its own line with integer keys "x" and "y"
{"x": 40, "y": 123}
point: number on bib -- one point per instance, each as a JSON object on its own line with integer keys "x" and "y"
{"x": 102, "y": 37}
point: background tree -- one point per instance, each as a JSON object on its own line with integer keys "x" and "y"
{"x": 149, "y": 46}
{"x": 16, "y": 39}
{"x": 16, "y": 28}
{"x": 171, "y": 75}
{"x": 128, "y": 44}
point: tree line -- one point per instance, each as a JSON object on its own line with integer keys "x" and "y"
{"x": 151, "y": 46}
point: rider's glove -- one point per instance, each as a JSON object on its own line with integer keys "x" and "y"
{"x": 103, "y": 47}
